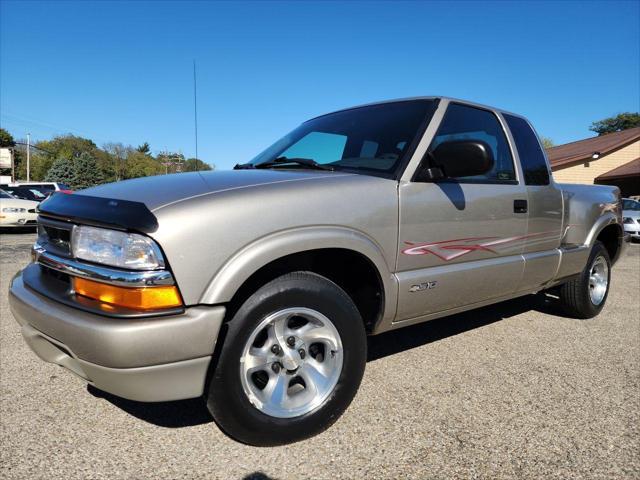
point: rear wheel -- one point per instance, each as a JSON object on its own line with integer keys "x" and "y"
{"x": 291, "y": 362}
{"x": 585, "y": 296}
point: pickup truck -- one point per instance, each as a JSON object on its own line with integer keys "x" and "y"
{"x": 256, "y": 288}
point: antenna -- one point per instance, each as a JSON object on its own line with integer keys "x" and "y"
{"x": 195, "y": 110}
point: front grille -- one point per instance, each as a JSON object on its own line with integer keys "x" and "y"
{"x": 55, "y": 236}
{"x": 32, "y": 210}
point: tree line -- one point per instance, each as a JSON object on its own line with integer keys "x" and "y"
{"x": 80, "y": 163}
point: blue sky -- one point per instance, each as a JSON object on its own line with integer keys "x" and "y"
{"x": 122, "y": 71}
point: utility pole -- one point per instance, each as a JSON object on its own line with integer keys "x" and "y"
{"x": 166, "y": 164}
{"x": 28, "y": 156}
{"x": 195, "y": 110}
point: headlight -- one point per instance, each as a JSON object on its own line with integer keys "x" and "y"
{"x": 117, "y": 249}
{"x": 14, "y": 210}
{"x": 627, "y": 220}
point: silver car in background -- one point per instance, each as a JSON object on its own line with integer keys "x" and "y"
{"x": 631, "y": 218}
{"x": 16, "y": 212}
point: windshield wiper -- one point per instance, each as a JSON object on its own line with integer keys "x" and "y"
{"x": 305, "y": 162}
{"x": 244, "y": 166}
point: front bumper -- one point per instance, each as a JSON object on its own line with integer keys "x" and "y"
{"x": 633, "y": 230}
{"x": 24, "y": 219}
{"x": 149, "y": 359}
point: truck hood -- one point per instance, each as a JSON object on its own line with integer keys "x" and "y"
{"x": 162, "y": 190}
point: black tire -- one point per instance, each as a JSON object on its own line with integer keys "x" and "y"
{"x": 574, "y": 294}
{"x": 226, "y": 399}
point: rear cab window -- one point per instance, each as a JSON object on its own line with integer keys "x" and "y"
{"x": 534, "y": 164}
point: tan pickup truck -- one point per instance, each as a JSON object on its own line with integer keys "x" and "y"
{"x": 256, "y": 288}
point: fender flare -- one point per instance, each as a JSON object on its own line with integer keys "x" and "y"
{"x": 599, "y": 225}
{"x": 249, "y": 259}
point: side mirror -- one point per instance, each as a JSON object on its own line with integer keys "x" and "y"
{"x": 461, "y": 158}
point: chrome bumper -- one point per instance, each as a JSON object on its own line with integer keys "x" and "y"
{"x": 114, "y": 276}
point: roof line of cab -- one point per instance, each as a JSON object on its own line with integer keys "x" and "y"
{"x": 434, "y": 97}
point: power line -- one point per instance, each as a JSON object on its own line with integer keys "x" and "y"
{"x": 33, "y": 146}
{"x": 56, "y": 129}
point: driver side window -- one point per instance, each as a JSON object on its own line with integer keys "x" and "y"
{"x": 462, "y": 122}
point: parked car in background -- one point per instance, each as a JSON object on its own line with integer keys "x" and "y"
{"x": 35, "y": 191}
{"x": 256, "y": 288}
{"x": 48, "y": 186}
{"x": 631, "y": 217}
{"x": 16, "y": 212}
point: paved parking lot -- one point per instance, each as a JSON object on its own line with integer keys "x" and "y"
{"x": 509, "y": 391}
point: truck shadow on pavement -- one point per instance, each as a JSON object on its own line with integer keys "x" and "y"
{"x": 187, "y": 413}
{"x": 406, "y": 338}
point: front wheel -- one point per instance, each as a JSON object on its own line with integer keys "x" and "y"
{"x": 585, "y": 296}
{"x": 291, "y": 362}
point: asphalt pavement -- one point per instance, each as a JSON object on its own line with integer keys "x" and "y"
{"x": 514, "y": 390}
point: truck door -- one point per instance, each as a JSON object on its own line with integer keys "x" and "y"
{"x": 461, "y": 241}
{"x": 544, "y": 204}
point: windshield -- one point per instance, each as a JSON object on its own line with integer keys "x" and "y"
{"x": 42, "y": 187}
{"x": 26, "y": 193}
{"x": 630, "y": 205}
{"x": 4, "y": 194}
{"x": 372, "y": 139}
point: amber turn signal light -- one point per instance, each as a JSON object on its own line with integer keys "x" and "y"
{"x": 137, "y": 298}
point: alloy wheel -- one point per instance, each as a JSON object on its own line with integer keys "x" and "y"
{"x": 291, "y": 362}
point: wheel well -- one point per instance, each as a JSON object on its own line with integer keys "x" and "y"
{"x": 350, "y": 270}
{"x": 610, "y": 238}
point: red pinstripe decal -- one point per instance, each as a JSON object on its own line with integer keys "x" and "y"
{"x": 435, "y": 248}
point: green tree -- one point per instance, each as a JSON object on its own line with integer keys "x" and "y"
{"x": 144, "y": 148}
{"x": 62, "y": 146}
{"x": 195, "y": 165}
{"x": 117, "y": 159}
{"x": 67, "y": 146}
{"x": 85, "y": 172}
{"x": 6, "y": 139}
{"x": 622, "y": 121}
{"x": 547, "y": 142}
{"x": 61, "y": 171}
{"x": 140, "y": 165}
{"x": 106, "y": 165}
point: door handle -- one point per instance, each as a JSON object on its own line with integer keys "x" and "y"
{"x": 520, "y": 206}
